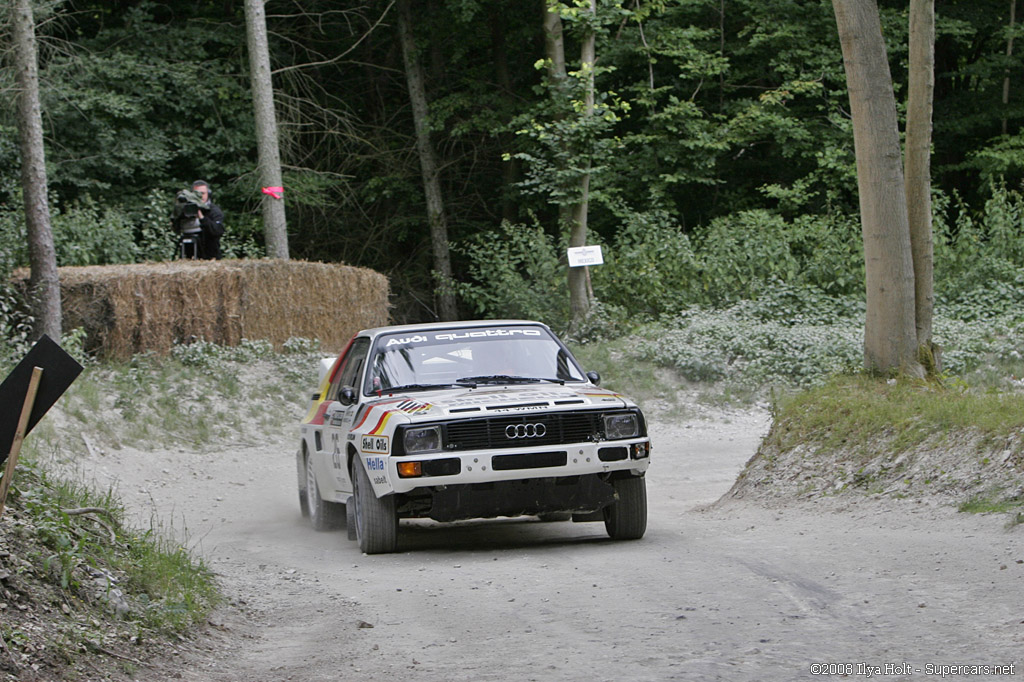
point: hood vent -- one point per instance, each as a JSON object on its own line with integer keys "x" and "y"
{"x": 516, "y": 407}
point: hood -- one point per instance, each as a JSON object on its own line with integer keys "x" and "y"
{"x": 496, "y": 400}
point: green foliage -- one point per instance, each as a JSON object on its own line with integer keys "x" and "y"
{"x": 979, "y": 256}
{"x": 243, "y": 237}
{"x": 651, "y": 269}
{"x": 733, "y": 345}
{"x": 157, "y": 97}
{"x": 518, "y": 274}
{"x": 87, "y": 233}
{"x": 156, "y": 240}
{"x": 654, "y": 270}
{"x": 796, "y": 336}
{"x": 990, "y": 504}
{"x": 724, "y": 129}
{"x": 15, "y": 323}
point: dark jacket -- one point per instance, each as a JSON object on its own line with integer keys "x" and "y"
{"x": 212, "y": 223}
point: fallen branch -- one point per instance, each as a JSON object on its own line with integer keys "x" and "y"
{"x": 89, "y": 511}
{"x": 78, "y": 511}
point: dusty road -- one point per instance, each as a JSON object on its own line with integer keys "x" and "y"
{"x": 735, "y": 592}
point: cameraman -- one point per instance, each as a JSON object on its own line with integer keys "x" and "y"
{"x": 211, "y": 219}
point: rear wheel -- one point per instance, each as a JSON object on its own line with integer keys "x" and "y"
{"x": 626, "y": 519}
{"x": 323, "y": 515}
{"x": 376, "y": 518}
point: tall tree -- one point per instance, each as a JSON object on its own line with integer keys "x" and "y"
{"x": 44, "y": 284}
{"x": 428, "y": 164}
{"x": 274, "y": 224}
{"x": 1009, "y": 53}
{"x": 579, "y": 293}
{"x": 917, "y": 166}
{"x": 890, "y": 333}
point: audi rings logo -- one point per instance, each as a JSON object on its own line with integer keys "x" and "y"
{"x": 525, "y": 431}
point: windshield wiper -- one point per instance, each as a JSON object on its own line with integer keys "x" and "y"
{"x": 507, "y": 379}
{"x": 427, "y": 387}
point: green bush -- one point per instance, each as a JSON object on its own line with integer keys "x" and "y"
{"x": 516, "y": 272}
{"x": 799, "y": 337}
{"x": 87, "y": 233}
{"x": 650, "y": 270}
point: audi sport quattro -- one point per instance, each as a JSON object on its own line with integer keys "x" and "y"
{"x": 467, "y": 420}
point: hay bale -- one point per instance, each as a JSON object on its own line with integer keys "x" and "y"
{"x": 128, "y": 309}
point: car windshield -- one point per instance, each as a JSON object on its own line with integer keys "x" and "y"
{"x": 469, "y": 357}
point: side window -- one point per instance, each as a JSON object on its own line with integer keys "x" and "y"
{"x": 351, "y": 368}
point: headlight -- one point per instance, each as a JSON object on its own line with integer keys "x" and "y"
{"x": 426, "y": 439}
{"x": 618, "y": 426}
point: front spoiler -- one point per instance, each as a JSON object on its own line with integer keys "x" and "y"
{"x": 580, "y": 494}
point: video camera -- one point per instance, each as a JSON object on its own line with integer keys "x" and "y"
{"x": 185, "y": 214}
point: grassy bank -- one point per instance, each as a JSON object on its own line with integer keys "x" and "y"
{"x": 83, "y": 594}
{"x": 863, "y": 436}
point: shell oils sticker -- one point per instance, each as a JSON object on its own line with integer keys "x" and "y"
{"x": 380, "y": 445}
{"x": 413, "y": 407}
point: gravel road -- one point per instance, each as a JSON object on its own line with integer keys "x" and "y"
{"x": 734, "y": 591}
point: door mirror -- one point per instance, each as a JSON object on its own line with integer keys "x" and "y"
{"x": 594, "y": 377}
{"x": 347, "y": 395}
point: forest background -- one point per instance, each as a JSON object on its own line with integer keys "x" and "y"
{"x": 720, "y": 156}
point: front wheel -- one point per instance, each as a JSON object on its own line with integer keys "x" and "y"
{"x": 626, "y": 519}
{"x": 376, "y": 517}
{"x": 323, "y": 515}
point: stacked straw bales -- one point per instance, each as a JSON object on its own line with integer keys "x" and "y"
{"x": 128, "y": 309}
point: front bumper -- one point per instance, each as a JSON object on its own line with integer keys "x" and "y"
{"x": 559, "y": 461}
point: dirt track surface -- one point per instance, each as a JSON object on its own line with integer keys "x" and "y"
{"x": 731, "y": 592}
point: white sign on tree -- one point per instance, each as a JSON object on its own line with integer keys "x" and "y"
{"x": 585, "y": 255}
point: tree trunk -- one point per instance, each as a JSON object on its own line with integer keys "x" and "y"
{"x": 918, "y": 164}
{"x": 554, "y": 51}
{"x": 1009, "y": 53}
{"x": 275, "y": 227}
{"x": 428, "y": 164}
{"x": 579, "y": 297}
{"x": 890, "y": 336}
{"x": 44, "y": 283}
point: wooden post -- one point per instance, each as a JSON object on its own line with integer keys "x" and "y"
{"x": 19, "y": 435}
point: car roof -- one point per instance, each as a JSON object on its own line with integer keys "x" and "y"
{"x": 424, "y": 326}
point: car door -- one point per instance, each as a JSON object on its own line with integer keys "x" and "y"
{"x": 343, "y": 396}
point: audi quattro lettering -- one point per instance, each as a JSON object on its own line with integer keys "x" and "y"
{"x": 466, "y": 420}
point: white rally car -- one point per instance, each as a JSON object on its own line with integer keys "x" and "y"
{"x": 465, "y": 420}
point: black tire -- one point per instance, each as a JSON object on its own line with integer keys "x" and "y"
{"x": 626, "y": 519}
{"x": 323, "y": 515}
{"x": 376, "y": 518}
{"x": 300, "y": 470}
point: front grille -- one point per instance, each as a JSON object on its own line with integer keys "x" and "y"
{"x": 531, "y": 430}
